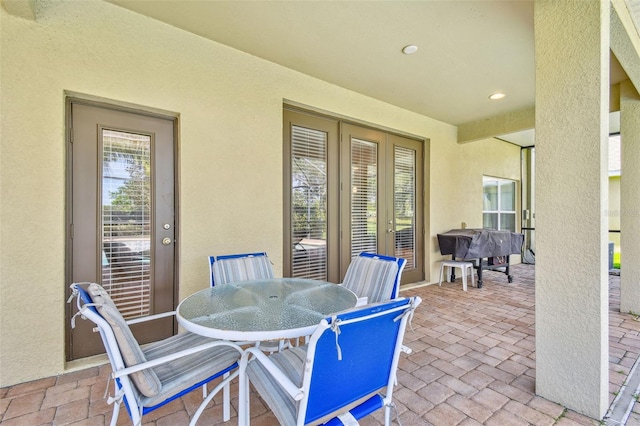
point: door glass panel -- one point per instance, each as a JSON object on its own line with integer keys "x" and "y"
{"x": 364, "y": 190}
{"x": 125, "y": 220}
{"x": 404, "y": 195}
{"x": 309, "y": 203}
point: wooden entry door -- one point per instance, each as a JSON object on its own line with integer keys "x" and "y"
{"x": 121, "y": 217}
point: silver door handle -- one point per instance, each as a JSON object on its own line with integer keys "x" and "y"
{"x": 166, "y": 241}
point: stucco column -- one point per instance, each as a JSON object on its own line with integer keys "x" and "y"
{"x": 572, "y": 102}
{"x": 629, "y": 198}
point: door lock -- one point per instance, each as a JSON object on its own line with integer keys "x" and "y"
{"x": 166, "y": 241}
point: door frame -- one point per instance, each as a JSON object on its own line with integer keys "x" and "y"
{"x": 422, "y": 167}
{"x": 93, "y": 101}
{"x": 385, "y": 142}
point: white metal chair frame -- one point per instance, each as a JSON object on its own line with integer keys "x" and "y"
{"x": 347, "y": 412}
{"x": 123, "y": 386}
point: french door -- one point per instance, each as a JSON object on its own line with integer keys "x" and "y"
{"x": 350, "y": 189}
{"x": 121, "y": 219}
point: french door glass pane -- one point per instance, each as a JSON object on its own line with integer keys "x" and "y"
{"x": 405, "y": 204}
{"x": 309, "y": 203}
{"x": 364, "y": 191}
{"x": 125, "y": 221}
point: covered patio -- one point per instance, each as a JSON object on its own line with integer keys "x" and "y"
{"x": 474, "y": 352}
{"x": 473, "y": 362}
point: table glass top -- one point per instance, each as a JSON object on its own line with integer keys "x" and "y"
{"x": 267, "y": 305}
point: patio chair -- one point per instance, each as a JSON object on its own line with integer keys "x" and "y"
{"x": 229, "y": 268}
{"x": 239, "y": 267}
{"x": 346, "y": 372}
{"x": 374, "y": 277}
{"x": 146, "y": 378}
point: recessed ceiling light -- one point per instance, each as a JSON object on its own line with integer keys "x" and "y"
{"x": 496, "y": 96}
{"x": 408, "y": 50}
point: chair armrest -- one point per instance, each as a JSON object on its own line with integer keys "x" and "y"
{"x": 362, "y": 301}
{"x": 151, "y": 317}
{"x": 286, "y": 384}
{"x": 171, "y": 357}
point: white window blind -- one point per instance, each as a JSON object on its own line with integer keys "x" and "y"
{"x": 309, "y": 203}
{"x": 126, "y": 227}
{"x": 404, "y": 182}
{"x": 364, "y": 193}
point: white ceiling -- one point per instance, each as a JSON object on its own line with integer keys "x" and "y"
{"x": 466, "y": 49}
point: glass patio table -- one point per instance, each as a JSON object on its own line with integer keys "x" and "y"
{"x": 273, "y": 309}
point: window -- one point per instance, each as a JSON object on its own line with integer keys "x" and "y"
{"x": 499, "y": 204}
{"x": 309, "y": 203}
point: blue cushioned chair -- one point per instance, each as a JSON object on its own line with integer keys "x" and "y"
{"x": 146, "y": 378}
{"x": 230, "y": 268}
{"x": 239, "y": 267}
{"x": 346, "y": 372}
{"x": 374, "y": 277}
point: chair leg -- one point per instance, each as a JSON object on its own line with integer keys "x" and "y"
{"x": 473, "y": 281}
{"x": 387, "y": 415}
{"x": 441, "y": 271}
{"x": 223, "y": 385}
{"x": 116, "y": 411}
{"x": 226, "y": 400}
{"x": 243, "y": 395}
{"x": 463, "y": 271}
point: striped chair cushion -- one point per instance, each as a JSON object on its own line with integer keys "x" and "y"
{"x": 146, "y": 381}
{"x": 241, "y": 269}
{"x": 187, "y": 371}
{"x": 372, "y": 278}
{"x": 291, "y": 362}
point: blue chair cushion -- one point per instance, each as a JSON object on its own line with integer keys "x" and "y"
{"x": 368, "y": 276}
{"x": 179, "y": 376}
{"x": 146, "y": 381}
{"x": 291, "y": 362}
{"x": 246, "y": 268}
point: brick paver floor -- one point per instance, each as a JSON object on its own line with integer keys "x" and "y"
{"x": 473, "y": 362}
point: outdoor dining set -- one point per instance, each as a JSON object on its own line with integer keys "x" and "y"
{"x": 315, "y": 352}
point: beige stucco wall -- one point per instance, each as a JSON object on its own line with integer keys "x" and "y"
{"x": 230, "y": 141}
{"x": 456, "y": 185}
{"x": 572, "y": 112}
{"x": 629, "y": 194}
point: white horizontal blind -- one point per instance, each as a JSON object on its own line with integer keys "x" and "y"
{"x": 309, "y": 203}
{"x": 364, "y": 193}
{"x": 126, "y": 227}
{"x": 404, "y": 204}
